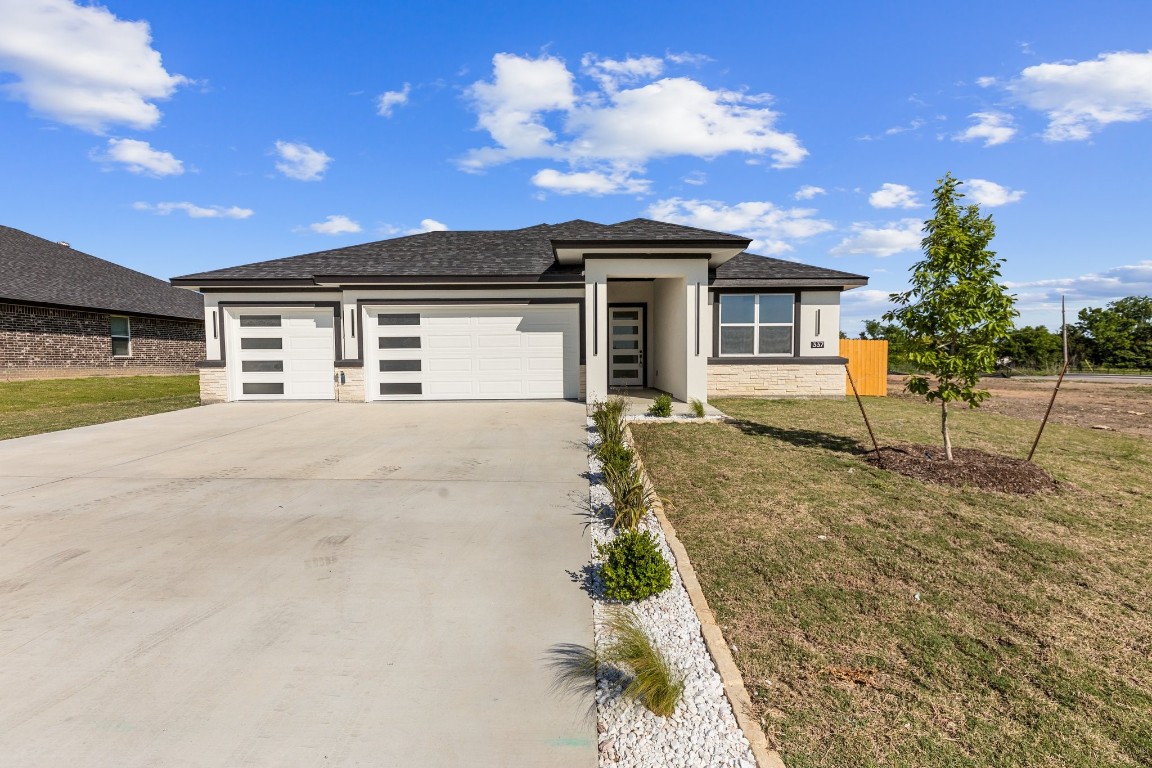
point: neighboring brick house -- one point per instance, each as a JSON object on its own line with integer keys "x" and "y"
{"x": 66, "y": 313}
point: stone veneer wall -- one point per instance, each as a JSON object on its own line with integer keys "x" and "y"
{"x": 213, "y": 385}
{"x": 46, "y": 341}
{"x": 825, "y": 381}
{"x": 352, "y": 390}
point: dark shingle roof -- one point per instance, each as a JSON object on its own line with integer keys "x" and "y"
{"x": 751, "y": 269}
{"x": 482, "y": 253}
{"x": 39, "y": 271}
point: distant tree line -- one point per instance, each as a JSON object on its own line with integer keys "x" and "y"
{"x": 1116, "y": 336}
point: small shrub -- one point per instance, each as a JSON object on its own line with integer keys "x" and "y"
{"x": 631, "y": 497}
{"x": 653, "y": 682}
{"x": 614, "y": 456}
{"x": 661, "y": 406}
{"x": 697, "y": 408}
{"x": 633, "y": 567}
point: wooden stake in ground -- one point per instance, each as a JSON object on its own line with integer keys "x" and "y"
{"x": 1059, "y": 381}
{"x": 859, "y": 402}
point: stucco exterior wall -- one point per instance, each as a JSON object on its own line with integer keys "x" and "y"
{"x": 776, "y": 381}
{"x": 37, "y": 341}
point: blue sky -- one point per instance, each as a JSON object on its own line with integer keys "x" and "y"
{"x": 179, "y": 137}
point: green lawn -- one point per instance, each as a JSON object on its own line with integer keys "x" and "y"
{"x": 47, "y": 405}
{"x": 882, "y": 622}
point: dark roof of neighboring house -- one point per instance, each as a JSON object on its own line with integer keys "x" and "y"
{"x": 38, "y": 271}
{"x": 522, "y": 253}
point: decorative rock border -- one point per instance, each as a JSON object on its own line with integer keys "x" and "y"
{"x": 711, "y": 727}
{"x": 718, "y": 647}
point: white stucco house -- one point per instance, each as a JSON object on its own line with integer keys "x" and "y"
{"x": 573, "y": 310}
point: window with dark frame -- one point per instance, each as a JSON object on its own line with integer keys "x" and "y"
{"x": 121, "y": 332}
{"x": 757, "y": 324}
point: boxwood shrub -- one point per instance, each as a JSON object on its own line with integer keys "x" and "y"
{"x": 633, "y": 567}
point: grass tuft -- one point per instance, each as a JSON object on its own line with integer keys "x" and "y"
{"x": 652, "y": 683}
{"x": 697, "y": 407}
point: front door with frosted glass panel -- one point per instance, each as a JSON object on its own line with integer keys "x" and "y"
{"x": 626, "y": 341}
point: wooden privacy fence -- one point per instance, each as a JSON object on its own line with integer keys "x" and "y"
{"x": 868, "y": 362}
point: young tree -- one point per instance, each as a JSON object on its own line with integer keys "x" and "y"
{"x": 955, "y": 311}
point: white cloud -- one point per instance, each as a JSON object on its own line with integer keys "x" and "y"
{"x": 139, "y": 157}
{"x": 894, "y": 196}
{"x": 695, "y": 59}
{"x": 611, "y": 73}
{"x": 696, "y": 178}
{"x": 595, "y": 183}
{"x": 80, "y": 65}
{"x": 428, "y": 225}
{"x": 895, "y": 130}
{"x": 896, "y": 237}
{"x": 1108, "y": 285}
{"x": 808, "y": 191}
{"x": 335, "y": 225}
{"x": 1080, "y": 98}
{"x": 533, "y": 109}
{"x": 991, "y": 127}
{"x": 990, "y": 194}
{"x": 196, "y": 211}
{"x": 986, "y": 82}
{"x": 773, "y": 229}
{"x": 389, "y": 100}
{"x": 300, "y": 161}
{"x": 510, "y": 108}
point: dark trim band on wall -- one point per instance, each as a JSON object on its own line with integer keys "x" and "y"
{"x": 210, "y": 363}
{"x": 337, "y": 316}
{"x": 777, "y": 360}
{"x": 697, "y": 319}
{"x": 595, "y": 319}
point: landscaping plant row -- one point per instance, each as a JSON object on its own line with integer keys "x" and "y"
{"x": 649, "y": 649}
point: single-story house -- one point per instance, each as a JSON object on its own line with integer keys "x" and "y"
{"x": 66, "y": 313}
{"x": 572, "y": 310}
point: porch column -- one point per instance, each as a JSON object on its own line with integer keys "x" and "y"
{"x": 596, "y": 332}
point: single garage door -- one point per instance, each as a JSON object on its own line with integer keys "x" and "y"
{"x": 281, "y": 354}
{"x": 475, "y": 352}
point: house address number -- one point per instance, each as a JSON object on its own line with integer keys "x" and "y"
{"x": 817, "y": 345}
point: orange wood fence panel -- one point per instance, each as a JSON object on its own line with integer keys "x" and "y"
{"x": 868, "y": 362}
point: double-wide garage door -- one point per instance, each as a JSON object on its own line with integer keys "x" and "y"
{"x": 475, "y": 352}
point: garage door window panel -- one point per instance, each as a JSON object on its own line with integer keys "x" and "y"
{"x": 399, "y": 342}
{"x": 262, "y": 366}
{"x": 262, "y": 343}
{"x": 260, "y": 321}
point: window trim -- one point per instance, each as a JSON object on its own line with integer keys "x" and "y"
{"x": 755, "y": 325}
{"x": 114, "y": 336}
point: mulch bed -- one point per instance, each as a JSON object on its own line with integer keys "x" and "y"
{"x": 986, "y": 471}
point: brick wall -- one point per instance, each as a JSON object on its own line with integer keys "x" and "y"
{"x": 44, "y": 339}
{"x": 776, "y": 381}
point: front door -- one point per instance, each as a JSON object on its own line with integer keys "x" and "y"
{"x": 626, "y": 340}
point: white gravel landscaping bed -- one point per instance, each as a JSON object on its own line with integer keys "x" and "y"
{"x": 702, "y": 732}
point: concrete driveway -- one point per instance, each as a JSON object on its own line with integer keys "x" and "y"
{"x": 292, "y": 584}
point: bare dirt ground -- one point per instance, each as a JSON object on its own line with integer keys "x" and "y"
{"x": 1121, "y": 407}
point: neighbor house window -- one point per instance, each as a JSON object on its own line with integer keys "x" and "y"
{"x": 121, "y": 336}
{"x": 757, "y": 324}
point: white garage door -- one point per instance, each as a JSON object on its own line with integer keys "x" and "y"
{"x": 478, "y": 352}
{"x": 281, "y": 354}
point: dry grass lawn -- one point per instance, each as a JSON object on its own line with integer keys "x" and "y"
{"x": 48, "y": 405}
{"x": 882, "y": 622}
